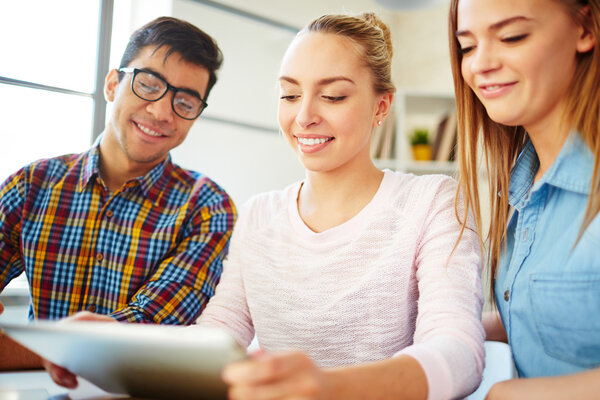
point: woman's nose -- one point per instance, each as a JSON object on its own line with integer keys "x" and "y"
{"x": 308, "y": 113}
{"x": 485, "y": 59}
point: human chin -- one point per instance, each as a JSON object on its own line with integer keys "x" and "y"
{"x": 146, "y": 158}
{"x": 137, "y": 154}
{"x": 509, "y": 116}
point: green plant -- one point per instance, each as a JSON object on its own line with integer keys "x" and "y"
{"x": 420, "y": 136}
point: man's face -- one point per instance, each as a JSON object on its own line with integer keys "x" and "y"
{"x": 140, "y": 133}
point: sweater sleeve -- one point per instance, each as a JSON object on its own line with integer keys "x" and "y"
{"x": 228, "y": 308}
{"x": 448, "y": 339}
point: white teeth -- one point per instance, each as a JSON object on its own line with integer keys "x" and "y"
{"x": 494, "y": 87}
{"x": 148, "y": 131}
{"x": 312, "y": 141}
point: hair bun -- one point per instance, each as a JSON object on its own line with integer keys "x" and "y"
{"x": 372, "y": 19}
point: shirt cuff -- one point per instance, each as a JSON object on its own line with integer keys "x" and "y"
{"x": 439, "y": 377}
{"x": 130, "y": 315}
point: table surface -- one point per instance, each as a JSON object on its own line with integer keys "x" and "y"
{"x": 37, "y": 385}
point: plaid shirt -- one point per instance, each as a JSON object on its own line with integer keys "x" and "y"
{"x": 150, "y": 252}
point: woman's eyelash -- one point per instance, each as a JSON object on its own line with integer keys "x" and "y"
{"x": 292, "y": 97}
{"x": 465, "y": 50}
{"x": 334, "y": 98}
{"x": 512, "y": 39}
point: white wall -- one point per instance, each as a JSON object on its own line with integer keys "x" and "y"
{"x": 421, "y": 57}
{"x": 245, "y": 162}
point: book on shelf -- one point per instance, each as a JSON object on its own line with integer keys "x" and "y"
{"x": 445, "y": 138}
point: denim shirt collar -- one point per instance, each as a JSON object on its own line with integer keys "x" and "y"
{"x": 146, "y": 182}
{"x": 570, "y": 171}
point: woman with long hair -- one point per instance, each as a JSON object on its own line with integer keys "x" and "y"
{"x": 527, "y": 83}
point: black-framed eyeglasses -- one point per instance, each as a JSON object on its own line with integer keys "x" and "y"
{"x": 150, "y": 87}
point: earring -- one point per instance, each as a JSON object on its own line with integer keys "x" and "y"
{"x": 379, "y": 123}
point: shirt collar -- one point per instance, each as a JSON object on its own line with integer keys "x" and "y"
{"x": 90, "y": 164}
{"x": 570, "y": 171}
{"x": 150, "y": 183}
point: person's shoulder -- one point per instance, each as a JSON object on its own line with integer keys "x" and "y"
{"x": 413, "y": 179}
{"x": 46, "y": 170}
{"x": 185, "y": 176}
{"x": 269, "y": 201}
{"x": 409, "y": 186}
{"x": 59, "y": 163}
{"x": 198, "y": 185}
{"x": 263, "y": 208}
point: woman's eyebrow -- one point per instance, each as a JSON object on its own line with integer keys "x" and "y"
{"x": 324, "y": 81}
{"x": 496, "y": 26}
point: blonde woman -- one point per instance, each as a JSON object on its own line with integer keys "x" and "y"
{"x": 347, "y": 277}
{"x": 527, "y": 82}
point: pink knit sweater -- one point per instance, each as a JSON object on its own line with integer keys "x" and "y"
{"x": 374, "y": 287}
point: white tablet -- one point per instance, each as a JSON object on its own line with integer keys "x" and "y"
{"x": 148, "y": 361}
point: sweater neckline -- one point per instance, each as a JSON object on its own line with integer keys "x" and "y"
{"x": 346, "y": 229}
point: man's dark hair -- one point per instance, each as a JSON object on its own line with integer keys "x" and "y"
{"x": 193, "y": 44}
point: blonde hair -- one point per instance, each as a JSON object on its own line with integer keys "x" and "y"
{"x": 368, "y": 32}
{"x": 502, "y": 144}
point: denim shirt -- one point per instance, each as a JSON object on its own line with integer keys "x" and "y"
{"x": 547, "y": 290}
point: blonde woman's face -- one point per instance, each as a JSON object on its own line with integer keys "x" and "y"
{"x": 519, "y": 58}
{"x": 328, "y": 106}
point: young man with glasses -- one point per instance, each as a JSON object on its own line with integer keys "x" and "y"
{"x": 120, "y": 231}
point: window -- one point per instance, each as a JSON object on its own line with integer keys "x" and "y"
{"x": 47, "y": 78}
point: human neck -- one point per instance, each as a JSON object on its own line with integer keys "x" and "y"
{"x": 328, "y": 199}
{"x": 115, "y": 167}
{"x": 548, "y": 140}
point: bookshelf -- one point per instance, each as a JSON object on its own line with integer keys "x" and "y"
{"x": 412, "y": 110}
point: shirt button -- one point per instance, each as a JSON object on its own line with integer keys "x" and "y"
{"x": 92, "y": 308}
{"x": 109, "y": 214}
{"x": 99, "y": 257}
{"x": 506, "y": 295}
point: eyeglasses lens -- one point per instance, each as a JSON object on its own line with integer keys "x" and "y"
{"x": 150, "y": 87}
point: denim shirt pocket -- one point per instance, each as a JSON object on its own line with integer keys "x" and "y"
{"x": 566, "y": 311}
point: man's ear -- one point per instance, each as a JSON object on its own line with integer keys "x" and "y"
{"x": 384, "y": 106}
{"x": 110, "y": 84}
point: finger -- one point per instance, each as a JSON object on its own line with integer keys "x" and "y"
{"x": 61, "y": 376}
{"x": 298, "y": 387}
{"x": 257, "y": 353}
{"x": 88, "y": 316}
{"x": 266, "y": 368}
{"x": 81, "y": 315}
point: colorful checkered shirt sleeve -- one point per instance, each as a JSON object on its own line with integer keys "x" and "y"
{"x": 150, "y": 252}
